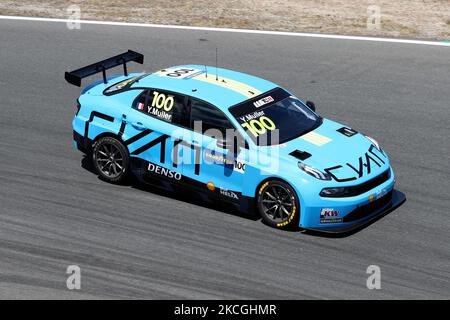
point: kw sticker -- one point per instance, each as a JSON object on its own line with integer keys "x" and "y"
{"x": 328, "y": 215}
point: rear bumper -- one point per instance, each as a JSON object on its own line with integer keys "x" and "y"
{"x": 365, "y": 214}
{"x": 81, "y": 143}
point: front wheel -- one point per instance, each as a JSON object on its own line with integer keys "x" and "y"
{"x": 111, "y": 159}
{"x": 278, "y": 204}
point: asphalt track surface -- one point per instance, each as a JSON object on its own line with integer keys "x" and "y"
{"x": 134, "y": 242}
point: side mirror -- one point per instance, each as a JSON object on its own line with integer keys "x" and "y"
{"x": 311, "y": 105}
{"x": 232, "y": 145}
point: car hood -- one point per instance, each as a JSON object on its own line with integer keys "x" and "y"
{"x": 346, "y": 155}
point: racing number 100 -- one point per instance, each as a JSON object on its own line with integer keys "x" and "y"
{"x": 160, "y": 100}
{"x": 259, "y": 126}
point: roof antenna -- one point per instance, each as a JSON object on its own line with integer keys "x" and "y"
{"x": 206, "y": 71}
{"x": 217, "y": 76}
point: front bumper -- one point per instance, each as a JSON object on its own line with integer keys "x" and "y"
{"x": 364, "y": 214}
{"x": 344, "y": 214}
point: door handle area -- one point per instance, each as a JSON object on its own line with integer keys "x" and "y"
{"x": 138, "y": 125}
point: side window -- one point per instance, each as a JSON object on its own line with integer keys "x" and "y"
{"x": 205, "y": 117}
{"x": 161, "y": 105}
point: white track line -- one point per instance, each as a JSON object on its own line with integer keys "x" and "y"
{"x": 249, "y": 31}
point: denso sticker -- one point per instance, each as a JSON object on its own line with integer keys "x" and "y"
{"x": 155, "y": 169}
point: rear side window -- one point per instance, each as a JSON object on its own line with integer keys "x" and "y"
{"x": 162, "y": 105}
{"x": 205, "y": 117}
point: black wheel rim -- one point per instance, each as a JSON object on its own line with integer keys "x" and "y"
{"x": 109, "y": 160}
{"x": 277, "y": 203}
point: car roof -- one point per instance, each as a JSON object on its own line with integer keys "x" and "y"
{"x": 220, "y": 87}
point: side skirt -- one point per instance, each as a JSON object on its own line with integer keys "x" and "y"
{"x": 139, "y": 167}
{"x": 167, "y": 179}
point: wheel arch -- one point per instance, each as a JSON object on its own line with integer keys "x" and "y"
{"x": 276, "y": 178}
{"x": 107, "y": 134}
{"x": 271, "y": 178}
{"x": 125, "y": 156}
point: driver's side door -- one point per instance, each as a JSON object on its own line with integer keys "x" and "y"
{"x": 213, "y": 161}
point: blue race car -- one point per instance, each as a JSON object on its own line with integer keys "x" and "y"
{"x": 235, "y": 138}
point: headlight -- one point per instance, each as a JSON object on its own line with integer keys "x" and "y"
{"x": 374, "y": 142}
{"x": 334, "y": 192}
{"x": 314, "y": 172}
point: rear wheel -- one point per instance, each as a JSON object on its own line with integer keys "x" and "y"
{"x": 278, "y": 204}
{"x": 111, "y": 159}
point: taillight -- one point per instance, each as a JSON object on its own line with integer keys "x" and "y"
{"x": 78, "y": 106}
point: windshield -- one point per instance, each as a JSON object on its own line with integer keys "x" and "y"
{"x": 275, "y": 117}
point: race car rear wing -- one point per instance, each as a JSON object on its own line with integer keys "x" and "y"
{"x": 74, "y": 77}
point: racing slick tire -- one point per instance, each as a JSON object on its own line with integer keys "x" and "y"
{"x": 278, "y": 204}
{"x": 111, "y": 160}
